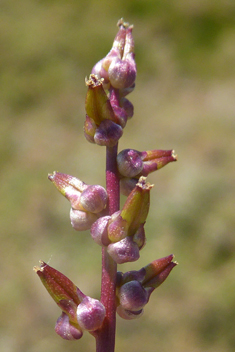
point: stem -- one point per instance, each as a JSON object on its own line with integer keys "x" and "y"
{"x": 105, "y": 339}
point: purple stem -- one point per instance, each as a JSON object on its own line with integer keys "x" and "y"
{"x": 105, "y": 339}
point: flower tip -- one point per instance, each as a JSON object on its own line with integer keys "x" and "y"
{"x": 37, "y": 268}
{"x": 175, "y": 156}
{"x": 143, "y": 184}
{"x": 51, "y": 176}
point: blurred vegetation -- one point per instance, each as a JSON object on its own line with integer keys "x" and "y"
{"x": 184, "y": 99}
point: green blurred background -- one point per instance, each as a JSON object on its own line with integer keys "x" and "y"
{"x": 184, "y": 99}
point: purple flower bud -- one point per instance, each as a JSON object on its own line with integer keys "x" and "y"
{"x": 94, "y": 199}
{"x": 129, "y": 162}
{"x": 99, "y": 231}
{"x": 108, "y": 133}
{"x": 119, "y": 67}
{"x": 122, "y": 73}
{"x": 124, "y": 251}
{"x": 66, "y": 329}
{"x": 132, "y": 296}
{"x": 82, "y": 220}
{"x": 66, "y": 295}
{"x": 117, "y": 228}
{"x": 90, "y": 314}
{"x": 127, "y": 314}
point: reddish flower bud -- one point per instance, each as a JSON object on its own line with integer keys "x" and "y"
{"x": 82, "y": 220}
{"x": 108, "y": 133}
{"x": 87, "y": 201}
{"x": 129, "y": 162}
{"x": 94, "y": 199}
{"x": 66, "y": 329}
{"x": 117, "y": 227}
{"x": 124, "y": 251}
{"x": 132, "y": 296}
{"x": 99, "y": 231}
{"x": 132, "y": 163}
{"x": 90, "y": 314}
{"x": 136, "y": 207}
{"x": 119, "y": 67}
{"x": 62, "y": 290}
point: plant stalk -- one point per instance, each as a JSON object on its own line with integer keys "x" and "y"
{"x": 105, "y": 339}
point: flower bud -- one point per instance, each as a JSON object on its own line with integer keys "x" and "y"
{"x": 62, "y": 290}
{"x": 69, "y": 186}
{"x": 97, "y": 104}
{"x": 122, "y": 71}
{"x": 108, "y": 133}
{"x": 124, "y": 251}
{"x": 132, "y": 163}
{"x": 99, "y": 231}
{"x": 127, "y": 314}
{"x": 82, "y": 220}
{"x": 129, "y": 162}
{"x": 66, "y": 329}
{"x": 117, "y": 227}
{"x": 136, "y": 207}
{"x": 119, "y": 67}
{"x": 90, "y": 314}
{"x": 132, "y": 296}
{"x": 94, "y": 199}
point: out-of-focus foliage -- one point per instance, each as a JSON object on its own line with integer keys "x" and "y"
{"x": 184, "y": 99}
